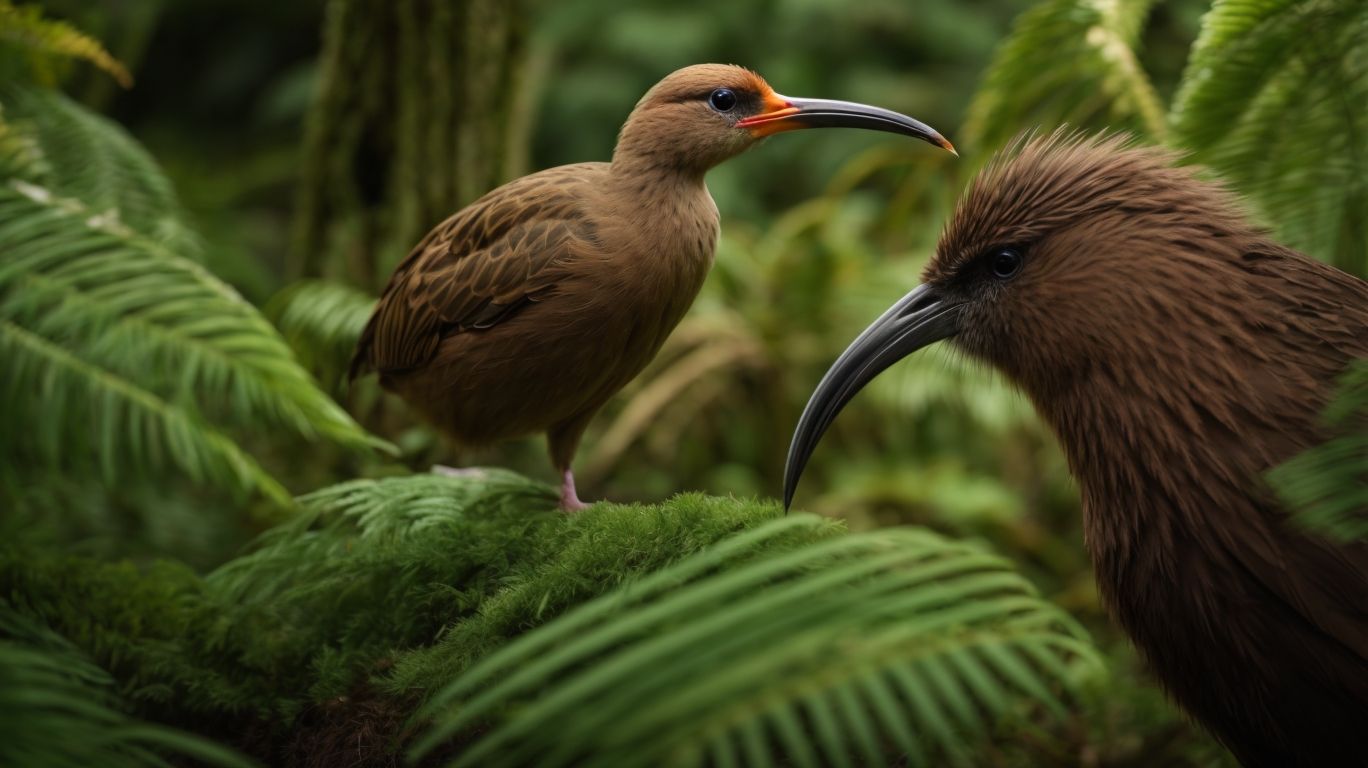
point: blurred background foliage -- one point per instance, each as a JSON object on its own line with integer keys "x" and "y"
{"x": 203, "y": 198}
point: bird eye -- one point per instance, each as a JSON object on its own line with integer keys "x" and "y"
{"x": 1006, "y": 263}
{"x": 722, "y": 99}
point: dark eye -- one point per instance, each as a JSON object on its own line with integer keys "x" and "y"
{"x": 722, "y": 99}
{"x": 1005, "y": 263}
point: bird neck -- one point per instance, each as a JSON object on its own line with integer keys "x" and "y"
{"x": 647, "y": 171}
{"x": 657, "y": 196}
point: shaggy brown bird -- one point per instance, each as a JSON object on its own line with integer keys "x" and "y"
{"x": 1178, "y": 353}
{"x": 525, "y": 311}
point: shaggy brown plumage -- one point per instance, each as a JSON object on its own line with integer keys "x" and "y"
{"x": 1179, "y": 354}
{"x": 525, "y": 311}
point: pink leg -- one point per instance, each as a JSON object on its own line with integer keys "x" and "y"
{"x": 569, "y": 500}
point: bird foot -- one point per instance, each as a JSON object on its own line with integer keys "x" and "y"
{"x": 569, "y": 500}
{"x": 467, "y": 472}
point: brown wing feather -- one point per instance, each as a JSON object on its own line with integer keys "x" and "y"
{"x": 479, "y": 267}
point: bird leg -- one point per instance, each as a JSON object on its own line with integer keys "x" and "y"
{"x": 563, "y": 439}
{"x": 569, "y": 500}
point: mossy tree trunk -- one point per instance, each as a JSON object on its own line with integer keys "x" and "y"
{"x": 413, "y": 118}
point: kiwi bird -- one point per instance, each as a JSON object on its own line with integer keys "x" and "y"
{"x": 1178, "y": 353}
{"x": 527, "y": 310}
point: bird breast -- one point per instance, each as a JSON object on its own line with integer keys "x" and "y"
{"x": 657, "y": 261}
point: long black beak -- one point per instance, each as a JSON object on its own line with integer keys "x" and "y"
{"x": 786, "y": 114}
{"x": 920, "y": 318}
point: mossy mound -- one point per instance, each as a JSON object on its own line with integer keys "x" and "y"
{"x": 418, "y": 610}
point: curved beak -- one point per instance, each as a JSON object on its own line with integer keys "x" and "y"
{"x": 920, "y": 318}
{"x": 782, "y": 113}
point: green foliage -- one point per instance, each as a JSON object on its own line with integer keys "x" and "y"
{"x": 45, "y": 41}
{"x": 1273, "y": 98}
{"x": 1328, "y": 485}
{"x": 1067, "y": 61}
{"x": 585, "y": 555}
{"x": 140, "y": 359}
{"x": 322, "y": 321}
{"x": 318, "y": 645}
{"x": 155, "y": 629}
{"x": 79, "y": 154}
{"x": 837, "y": 648}
{"x": 20, "y": 155}
{"x": 374, "y": 566}
{"x": 390, "y": 590}
{"x": 57, "y": 710}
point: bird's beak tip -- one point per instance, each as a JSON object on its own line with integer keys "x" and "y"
{"x": 782, "y": 113}
{"x": 922, "y": 317}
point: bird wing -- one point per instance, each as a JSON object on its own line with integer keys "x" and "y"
{"x": 482, "y": 265}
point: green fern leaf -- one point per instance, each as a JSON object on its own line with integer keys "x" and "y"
{"x": 1067, "y": 61}
{"x": 85, "y": 156}
{"x": 20, "y": 155}
{"x": 830, "y": 649}
{"x": 1273, "y": 98}
{"x": 124, "y": 425}
{"x": 1328, "y": 485}
{"x": 133, "y": 357}
{"x": 57, "y": 710}
{"x": 322, "y": 321}
{"x": 46, "y": 40}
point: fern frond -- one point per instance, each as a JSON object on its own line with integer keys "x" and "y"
{"x": 57, "y": 710}
{"x": 1273, "y": 98}
{"x": 1067, "y": 61}
{"x": 322, "y": 321}
{"x": 136, "y": 358}
{"x": 1327, "y": 486}
{"x": 837, "y": 647}
{"x": 20, "y": 155}
{"x": 45, "y": 40}
{"x": 133, "y": 428}
{"x": 88, "y": 157}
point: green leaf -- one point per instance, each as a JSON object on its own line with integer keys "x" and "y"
{"x": 85, "y": 156}
{"x": 1067, "y": 61}
{"x": 1327, "y": 486}
{"x": 125, "y": 355}
{"x": 843, "y": 646}
{"x": 1273, "y": 98}
{"x": 44, "y": 40}
{"x": 322, "y": 321}
{"x": 57, "y": 710}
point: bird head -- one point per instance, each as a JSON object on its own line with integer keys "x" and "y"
{"x": 702, "y": 115}
{"x": 1071, "y": 261}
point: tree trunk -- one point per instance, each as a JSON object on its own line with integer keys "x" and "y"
{"x": 412, "y": 119}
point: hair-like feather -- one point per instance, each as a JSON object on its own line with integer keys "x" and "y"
{"x": 1179, "y": 354}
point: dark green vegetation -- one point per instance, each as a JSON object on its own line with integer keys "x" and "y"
{"x": 317, "y": 646}
{"x": 184, "y": 265}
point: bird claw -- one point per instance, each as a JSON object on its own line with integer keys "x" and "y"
{"x": 571, "y": 506}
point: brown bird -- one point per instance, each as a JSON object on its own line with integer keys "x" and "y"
{"x": 1178, "y": 354}
{"x": 525, "y": 311}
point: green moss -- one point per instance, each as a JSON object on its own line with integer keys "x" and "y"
{"x": 591, "y": 553}
{"x": 383, "y": 592}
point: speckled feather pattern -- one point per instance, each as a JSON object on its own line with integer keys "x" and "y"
{"x": 1179, "y": 354}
